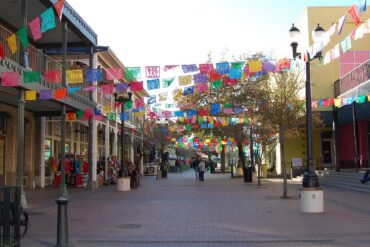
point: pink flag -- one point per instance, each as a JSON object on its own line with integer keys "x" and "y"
{"x": 136, "y": 86}
{"x": 113, "y": 74}
{"x": 59, "y": 7}
{"x": 10, "y": 79}
{"x": 203, "y": 112}
{"x": 89, "y": 88}
{"x": 53, "y": 76}
{"x": 152, "y": 72}
{"x": 353, "y": 11}
{"x": 139, "y": 102}
{"x": 107, "y": 88}
{"x": 168, "y": 67}
{"x": 206, "y": 68}
{"x": 35, "y": 25}
{"x": 202, "y": 87}
{"x": 230, "y": 82}
{"x": 88, "y": 113}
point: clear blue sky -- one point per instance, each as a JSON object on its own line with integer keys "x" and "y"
{"x": 161, "y": 32}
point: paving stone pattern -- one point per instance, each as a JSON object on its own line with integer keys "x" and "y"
{"x": 180, "y": 211}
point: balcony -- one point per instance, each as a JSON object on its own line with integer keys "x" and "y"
{"x": 39, "y": 62}
{"x": 354, "y": 83}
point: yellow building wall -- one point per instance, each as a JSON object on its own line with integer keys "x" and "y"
{"x": 324, "y": 76}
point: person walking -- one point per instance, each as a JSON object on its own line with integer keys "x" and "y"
{"x": 195, "y": 166}
{"x": 201, "y": 169}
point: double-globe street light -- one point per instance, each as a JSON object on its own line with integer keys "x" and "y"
{"x": 122, "y": 100}
{"x": 310, "y": 179}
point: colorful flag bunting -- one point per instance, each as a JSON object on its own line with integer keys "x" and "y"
{"x": 71, "y": 116}
{"x": 269, "y": 66}
{"x": 166, "y": 82}
{"x": 73, "y": 89}
{"x": 223, "y": 68}
{"x": 136, "y": 86}
{"x": 346, "y": 44}
{"x": 12, "y": 43}
{"x": 120, "y": 87}
{"x": 353, "y": 11}
{"x": 152, "y": 72}
{"x": 139, "y": 102}
{"x": 30, "y": 95}
{"x": 133, "y": 73}
{"x": 202, "y": 87}
{"x": 107, "y": 88}
{"x": 152, "y": 100}
{"x": 59, "y": 7}
{"x": 215, "y": 109}
{"x": 341, "y": 24}
{"x": 31, "y": 77}
{"x": 60, "y": 93}
{"x": 75, "y": 76}
{"x": 10, "y": 79}
{"x": 176, "y": 94}
{"x": 187, "y": 68}
{"x": 113, "y": 73}
{"x": 152, "y": 84}
{"x": 205, "y": 68}
{"x": 163, "y": 96}
{"x": 169, "y": 67}
{"x": 217, "y": 84}
{"x": 236, "y": 73}
{"x": 53, "y": 76}
{"x": 93, "y": 75}
{"x": 188, "y": 91}
{"x": 185, "y": 80}
{"x": 200, "y": 78}
{"x": 47, "y": 20}
{"x": 45, "y": 94}
{"x": 2, "y": 54}
{"x": 35, "y": 26}
{"x": 22, "y": 36}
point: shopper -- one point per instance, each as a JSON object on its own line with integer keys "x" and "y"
{"x": 201, "y": 169}
{"x": 195, "y": 166}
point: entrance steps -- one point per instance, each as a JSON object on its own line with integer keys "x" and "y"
{"x": 349, "y": 180}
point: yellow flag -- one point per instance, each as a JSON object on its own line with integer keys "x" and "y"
{"x": 185, "y": 80}
{"x": 337, "y": 102}
{"x": 176, "y": 94}
{"x": 255, "y": 66}
{"x": 75, "y": 76}
{"x": 368, "y": 97}
{"x": 181, "y": 119}
{"x": 12, "y": 42}
{"x": 30, "y": 95}
{"x": 241, "y": 120}
{"x": 107, "y": 108}
{"x": 210, "y": 120}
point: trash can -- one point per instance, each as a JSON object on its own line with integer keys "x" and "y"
{"x": 247, "y": 173}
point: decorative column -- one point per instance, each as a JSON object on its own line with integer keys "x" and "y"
{"x": 42, "y": 151}
{"x": 106, "y": 148}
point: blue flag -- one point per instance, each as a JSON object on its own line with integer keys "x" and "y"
{"x": 152, "y": 100}
{"x": 47, "y": 20}
{"x": 223, "y": 68}
{"x": 236, "y": 73}
{"x": 215, "y": 109}
{"x": 153, "y": 84}
{"x": 94, "y": 75}
{"x": 188, "y": 91}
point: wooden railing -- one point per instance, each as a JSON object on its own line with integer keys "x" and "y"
{"x": 356, "y": 77}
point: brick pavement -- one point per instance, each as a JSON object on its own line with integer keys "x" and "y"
{"x": 180, "y": 211}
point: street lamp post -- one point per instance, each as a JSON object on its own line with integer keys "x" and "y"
{"x": 311, "y": 195}
{"x": 122, "y": 100}
{"x": 310, "y": 179}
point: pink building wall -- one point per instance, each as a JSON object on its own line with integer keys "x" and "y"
{"x": 350, "y": 60}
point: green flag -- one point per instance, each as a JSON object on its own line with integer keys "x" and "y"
{"x": 217, "y": 84}
{"x": 31, "y": 77}
{"x": 22, "y": 36}
{"x": 111, "y": 116}
{"x": 361, "y": 99}
{"x": 128, "y": 104}
{"x": 79, "y": 114}
{"x": 237, "y": 65}
{"x": 166, "y": 82}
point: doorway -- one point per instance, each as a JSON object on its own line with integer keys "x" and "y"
{"x": 326, "y": 153}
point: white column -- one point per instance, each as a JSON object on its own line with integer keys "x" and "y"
{"x": 42, "y": 152}
{"x": 115, "y": 141}
{"x": 278, "y": 159}
{"x": 106, "y": 148}
{"x": 132, "y": 155}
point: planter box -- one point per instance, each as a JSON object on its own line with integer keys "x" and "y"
{"x": 123, "y": 184}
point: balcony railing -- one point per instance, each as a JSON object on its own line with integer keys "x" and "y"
{"x": 355, "y": 78}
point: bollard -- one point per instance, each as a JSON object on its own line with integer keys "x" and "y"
{"x": 62, "y": 225}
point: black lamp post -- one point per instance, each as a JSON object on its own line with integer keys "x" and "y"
{"x": 310, "y": 179}
{"x": 122, "y": 100}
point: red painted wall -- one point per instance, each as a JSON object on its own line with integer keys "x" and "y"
{"x": 363, "y": 140}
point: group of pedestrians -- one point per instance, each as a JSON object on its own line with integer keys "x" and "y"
{"x": 199, "y": 166}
